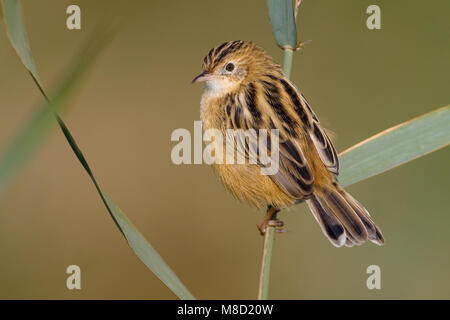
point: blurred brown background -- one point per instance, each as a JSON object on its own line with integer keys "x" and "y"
{"x": 358, "y": 81}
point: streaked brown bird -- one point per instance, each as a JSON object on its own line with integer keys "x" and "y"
{"x": 246, "y": 89}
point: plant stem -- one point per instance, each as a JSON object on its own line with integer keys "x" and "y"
{"x": 265, "y": 267}
{"x": 269, "y": 237}
{"x": 287, "y": 62}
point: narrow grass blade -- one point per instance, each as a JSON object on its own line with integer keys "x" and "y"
{"x": 33, "y": 134}
{"x": 395, "y": 146}
{"x": 135, "y": 239}
{"x": 16, "y": 34}
{"x": 282, "y": 19}
{"x": 146, "y": 253}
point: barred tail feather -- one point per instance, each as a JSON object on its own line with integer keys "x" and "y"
{"x": 342, "y": 218}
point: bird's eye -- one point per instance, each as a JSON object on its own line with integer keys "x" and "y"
{"x": 229, "y": 67}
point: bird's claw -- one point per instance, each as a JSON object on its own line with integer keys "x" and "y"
{"x": 277, "y": 224}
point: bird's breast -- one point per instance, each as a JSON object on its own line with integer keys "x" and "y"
{"x": 212, "y": 111}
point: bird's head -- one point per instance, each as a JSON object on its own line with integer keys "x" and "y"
{"x": 231, "y": 64}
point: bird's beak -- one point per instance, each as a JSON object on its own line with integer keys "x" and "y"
{"x": 202, "y": 77}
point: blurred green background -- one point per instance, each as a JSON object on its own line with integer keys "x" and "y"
{"x": 358, "y": 81}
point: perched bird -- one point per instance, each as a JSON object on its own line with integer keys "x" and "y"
{"x": 246, "y": 89}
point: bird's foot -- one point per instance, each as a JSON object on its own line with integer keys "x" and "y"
{"x": 270, "y": 220}
{"x": 277, "y": 224}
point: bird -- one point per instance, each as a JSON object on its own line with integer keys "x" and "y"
{"x": 246, "y": 89}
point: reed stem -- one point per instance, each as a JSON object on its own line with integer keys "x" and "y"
{"x": 287, "y": 62}
{"x": 269, "y": 236}
{"x": 265, "y": 267}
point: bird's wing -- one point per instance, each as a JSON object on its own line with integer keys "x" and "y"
{"x": 258, "y": 107}
{"x": 311, "y": 124}
{"x": 321, "y": 140}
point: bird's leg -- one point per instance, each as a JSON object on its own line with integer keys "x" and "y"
{"x": 270, "y": 219}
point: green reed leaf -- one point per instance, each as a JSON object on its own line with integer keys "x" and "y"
{"x": 32, "y": 135}
{"x": 281, "y": 13}
{"x": 16, "y": 34}
{"x": 135, "y": 239}
{"x": 396, "y": 146}
{"x": 147, "y": 253}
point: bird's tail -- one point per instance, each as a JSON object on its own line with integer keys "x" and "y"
{"x": 342, "y": 218}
